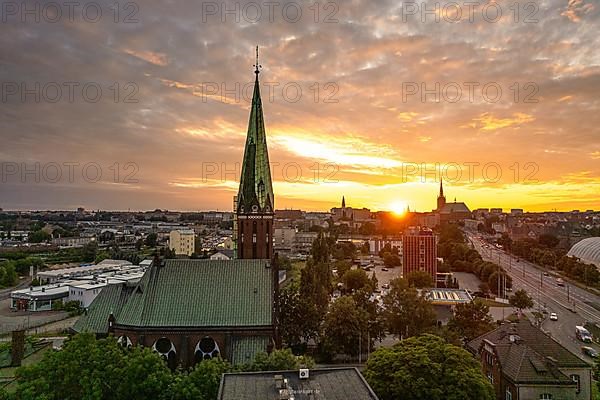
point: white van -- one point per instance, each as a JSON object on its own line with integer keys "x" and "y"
{"x": 583, "y": 334}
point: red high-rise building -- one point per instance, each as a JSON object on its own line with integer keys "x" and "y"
{"x": 419, "y": 251}
{"x": 254, "y": 204}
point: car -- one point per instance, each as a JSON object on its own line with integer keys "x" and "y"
{"x": 384, "y": 269}
{"x": 589, "y": 351}
{"x": 546, "y": 274}
{"x": 553, "y": 317}
{"x": 385, "y": 286}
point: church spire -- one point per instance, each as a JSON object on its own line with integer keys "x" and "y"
{"x": 256, "y": 189}
{"x": 255, "y": 199}
{"x": 343, "y": 202}
{"x": 441, "y": 200}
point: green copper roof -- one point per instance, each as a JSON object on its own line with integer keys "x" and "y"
{"x": 245, "y": 348}
{"x": 110, "y": 300}
{"x": 189, "y": 293}
{"x": 256, "y": 190}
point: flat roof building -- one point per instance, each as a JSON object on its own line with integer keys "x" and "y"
{"x": 324, "y": 384}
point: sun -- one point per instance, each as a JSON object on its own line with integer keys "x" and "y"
{"x": 398, "y": 207}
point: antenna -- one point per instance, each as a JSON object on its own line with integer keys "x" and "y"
{"x": 257, "y": 65}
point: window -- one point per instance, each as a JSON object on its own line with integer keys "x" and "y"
{"x": 545, "y": 396}
{"x": 508, "y": 394}
{"x": 575, "y": 379}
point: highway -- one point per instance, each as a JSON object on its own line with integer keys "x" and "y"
{"x": 573, "y": 305}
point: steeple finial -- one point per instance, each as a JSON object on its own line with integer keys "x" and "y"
{"x": 257, "y": 65}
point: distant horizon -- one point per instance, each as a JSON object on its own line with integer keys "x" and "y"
{"x": 504, "y": 209}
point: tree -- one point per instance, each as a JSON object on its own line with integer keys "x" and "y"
{"x": 356, "y": 279}
{"x": 299, "y": 319}
{"x": 93, "y": 369}
{"x": 406, "y": 312}
{"x": 521, "y": 300}
{"x": 279, "y": 360}
{"x": 426, "y": 368}
{"x": 320, "y": 249}
{"x": 151, "y": 239}
{"x": 548, "y": 240}
{"x": 201, "y": 383}
{"x": 471, "y": 320}
{"x": 345, "y": 326}
{"x": 420, "y": 279}
{"x": 89, "y": 251}
{"x": 8, "y": 274}
{"x": 391, "y": 260}
{"x": 39, "y": 236}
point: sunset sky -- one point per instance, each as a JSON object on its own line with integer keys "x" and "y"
{"x": 361, "y": 120}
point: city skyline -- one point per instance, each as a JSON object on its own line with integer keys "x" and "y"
{"x": 167, "y": 131}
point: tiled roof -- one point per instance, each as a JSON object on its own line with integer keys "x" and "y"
{"x": 191, "y": 293}
{"x": 327, "y": 384}
{"x": 531, "y": 356}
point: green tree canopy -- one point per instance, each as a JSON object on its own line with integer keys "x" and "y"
{"x": 426, "y": 368}
{"x": 279, "y": 360}
{"x": 471, "y": 320}
{"x": 521, "y": 300}
{"x": 407, "y": 313}
{"x": 93, "y": 369}
{"x": 356, "y": 279}
{"x": 345, "y": 324}
{"x": 420, "y": 279}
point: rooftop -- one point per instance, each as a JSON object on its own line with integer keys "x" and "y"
{"x": 189, "y": 293}
{"x": 323, "y": 384}
{"x": 528, "y": 355}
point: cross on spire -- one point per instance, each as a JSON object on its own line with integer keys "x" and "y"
{"x": 257, "y": 66}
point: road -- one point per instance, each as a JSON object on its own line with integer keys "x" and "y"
{"x": 573, "y": 305}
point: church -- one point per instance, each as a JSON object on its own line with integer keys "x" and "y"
{"x": 451, "y": 211}
{"x": 189, "y": 310}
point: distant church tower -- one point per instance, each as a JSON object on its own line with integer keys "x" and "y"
{"x": 255, "y": 200}
{"x": 441, "y": 200}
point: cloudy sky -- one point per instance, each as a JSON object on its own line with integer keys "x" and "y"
{"x": 143, "y": 105}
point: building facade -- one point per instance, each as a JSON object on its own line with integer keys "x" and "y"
{"x": 524, "y": 363}
{"x": 182, "y": 242}
{"x": 419, "y": 251}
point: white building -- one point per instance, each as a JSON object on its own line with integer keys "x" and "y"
{"x": 38, "y": 298}
{"x": 85, "y": 292}
{"x": 182, "y": 241}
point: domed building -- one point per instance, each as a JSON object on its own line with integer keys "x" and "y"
{"x": 587, "y": 250}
